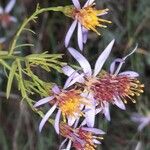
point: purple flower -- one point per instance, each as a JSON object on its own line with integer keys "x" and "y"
{"x": 86, "y": 18}
{"x": 69, "y": 103}
{"x": 102, "y": 87}
{"x": 5, "y": 17}
{"x": 141, "y": 120}
{"x": 88, "y": 77}
{"x": 81, "y": 138}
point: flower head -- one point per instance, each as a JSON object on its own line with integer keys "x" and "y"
{"x": 109, "y": 87}
{"x": 5, "y": 17}
{"x": 88, "y": 78}
{"x": 81, "y": 138}
{"x": 69, "y": 103}
{"x": 87, "y": 19}
{"x": 106, "y": 88}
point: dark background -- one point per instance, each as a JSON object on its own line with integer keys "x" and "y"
{"x": 130, "y": 25}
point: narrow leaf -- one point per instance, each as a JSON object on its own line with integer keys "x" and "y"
{"x": 10, "y": 78}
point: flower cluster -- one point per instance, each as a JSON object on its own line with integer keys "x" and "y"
{"x": 88, "y": 92}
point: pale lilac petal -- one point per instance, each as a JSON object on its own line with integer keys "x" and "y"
{"x": 47, "y": 115}
{"x": 119, "y": 103}
{"x": 43, "y": 101}
{"x": 57, "y": 119}
{"x": 56, "y": 89}
{"x": 81, "y": 60}
{"x": 98, "y": 110}
{"x": 84, "y": 34}
{"x": 72, "y": 80}
{"x": 139, "y": 146}
{"x": 62, "y": 143}
{"x": 68, "y": 82}
{"x": 90, "y": 116}
{"x": 10, "y": 6}
{"x": 93, "y": 130}
{"x": 114, "y": 64}
{"x": 70, "y": 32}
{"x": 141, "y": 120}
{"x": 69, "y": 145}
{"x": 67, "y": 70}
{"x": 13, "y": 19}
{"x": 89, "y": 2}
{"x": 80, "y": 37}
{"x": 144, "y": 124}
{"x": 1, "y": 10}
{"x": 102, "y": 58}
{"x": 131, "y": 74}
{"x": 106, "y": 111}
{"x": 124, "y": 58}
{"x": 71, "y": 120}
{"x": 76, "y": 4}
{"x": 69, "y": 79}
{"x": 137, "y": 117}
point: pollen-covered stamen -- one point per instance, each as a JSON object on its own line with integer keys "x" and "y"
{"x": 109, "y": 86}
{"x": 87, "y": 138}
{"x": 65, "y": 130}
{"x": 82, "y": 139}
{"x": 69, "y": 102}
{"x": 89, "y": 17}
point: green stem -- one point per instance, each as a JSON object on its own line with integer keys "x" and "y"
{"x": 12, "y": 57}
{"x": 27, "y": 20}
{"x": 28, "y": 100}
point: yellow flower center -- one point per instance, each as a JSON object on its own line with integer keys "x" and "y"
{"x": 70, "y": 103}
{"x": 88, "y": 17}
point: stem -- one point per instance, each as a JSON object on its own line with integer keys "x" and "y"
{"x": 12, "y": 57}
{"x": 27, "y": 20}
{"x": 28, "y": 100}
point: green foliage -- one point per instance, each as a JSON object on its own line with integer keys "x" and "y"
{"x": 21, "y": 68}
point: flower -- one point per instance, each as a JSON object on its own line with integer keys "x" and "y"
{"x": 105, "y": 88}
{"x": 142, "y": 120}
{"x": 70, "y": 104}
{"x": 81, "y": 138}
{"x": 87, "y": 78}
{"x": 87, "y": 18}
{"x": 5, "y": 17}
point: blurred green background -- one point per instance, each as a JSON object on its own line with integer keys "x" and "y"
{"x": 130, "y": 25}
